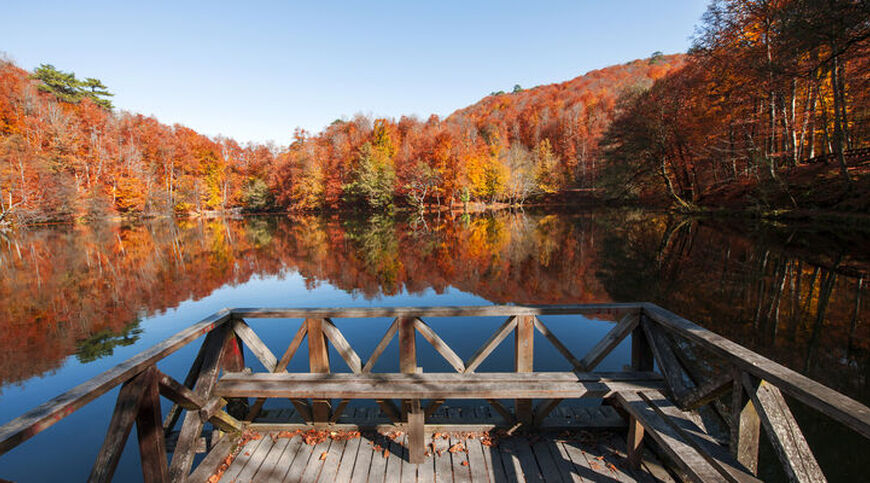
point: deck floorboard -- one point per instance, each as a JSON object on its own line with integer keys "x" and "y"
{"x": 546, "y": 457}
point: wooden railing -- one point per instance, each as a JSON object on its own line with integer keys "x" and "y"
{"x": 696, "y": 369}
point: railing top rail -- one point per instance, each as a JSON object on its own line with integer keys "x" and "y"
{"x": 446, "y": 311}
{"x": 814, "y": 394}
{"x": 46, "y": 414}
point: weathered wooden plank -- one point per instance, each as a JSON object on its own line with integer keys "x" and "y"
{"x": 606, "y": 345}
{"x": 316, "y": 461}
{"x": 242, "y": 458}
{"x": 219, "y": 418}
{"x": 149, "y": 430}
{"x": 394, "y": 461}
{"x": 348, "y": 459}
{"x": 288, "y": 459}
{"x": 363, "y": 461}
{"x": 708, "y": 447}
{"x": 668, "y": 439}
{"x": 269, "y": 469}
{"x": 304, "y": 454}
{"x": 444, "y": 311}
{"x": 493, "y": 463}
{"x": 566, "y": 353}
{"x": 459, "y": 459}
{"x": 255, "y": 344}
{"x": 409, "y": 470}
{"x": 523, "y": 452}
{"x": 407, "y": 346}
{"x": 633, "y": 443}
{"x": 443, "y": 461}
{"x": 318, "y": 363}
{"x": 382, "y": 346}
{"x": 419, "y": 387}
{"x": 667, "y": 360}
{"x": 452, "y": 377}
{"x": 439, "y": 345}
{"x": 839, "y": 407}
{"x": 342, "y": 346}
{"x": 178, "y": 393}
{"x": 785, "y": 435}
{"x": 43, "y": 416}
{"x": 256, "y": 460}
{"x": 416, "y": 435}
{"x": 182, "y": 457}
{"x": 215, "y": 457}
{"x": 494, "y": 340}
{"x": 562, "y": 462}
{"x": 426, "y": 469}
{"x": 378, "y": 468}
{"x": 570, "y": 472}
{"x": 579, "y": 464}
{"x": 123, "y": 417}
{"x": 524, "y": 350}
{"x": 546, "y": 463}
{"x": 477, "y": 465}
{"x": 746, "y": 426}
{"x": 333, "y": 461}
{"x": 708, "y": 390}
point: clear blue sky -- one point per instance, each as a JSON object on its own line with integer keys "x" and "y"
{"x": 255, "y": 70}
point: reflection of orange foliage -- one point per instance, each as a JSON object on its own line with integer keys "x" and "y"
{"x": 62, "y": 285}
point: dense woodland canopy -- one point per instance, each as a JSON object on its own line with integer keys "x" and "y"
{"x": 767, "y": 85}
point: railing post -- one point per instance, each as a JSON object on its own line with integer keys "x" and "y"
{"x": 233, "y": 360}
{"x": 407, "y": 353}
{"x": 318, "y": 362}
{"x": 524, "y": 350}
{"x": 641, "y": 352}
{"x": 412, "y": 413}
{"x": 149, "y": 429}
{"x": 634, "y": 443}
{"x": 746, "y": 426}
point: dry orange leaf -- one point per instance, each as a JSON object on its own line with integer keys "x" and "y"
{"x": 323, "y": 456}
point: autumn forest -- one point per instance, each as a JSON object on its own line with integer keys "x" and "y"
{"x": 771, "y": 100}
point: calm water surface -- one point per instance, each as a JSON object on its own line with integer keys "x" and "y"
{"x": 76, "y": 300}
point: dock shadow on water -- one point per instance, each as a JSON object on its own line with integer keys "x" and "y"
{"x": 75, "y": 300}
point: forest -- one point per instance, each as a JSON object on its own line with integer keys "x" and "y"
{"x": 768, "y": 109}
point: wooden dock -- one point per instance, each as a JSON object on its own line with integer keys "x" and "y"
{"x": 691, "y": 406}
{"x": 460, "y": 457}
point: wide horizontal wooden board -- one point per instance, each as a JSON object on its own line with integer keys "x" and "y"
{"x": 459, "y": 311}
{"x": 431, "y": 386}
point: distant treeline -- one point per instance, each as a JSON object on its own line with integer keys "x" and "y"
{"x": 765, "y": 85}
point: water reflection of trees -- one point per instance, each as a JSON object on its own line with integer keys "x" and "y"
{"x": 788, "y": 293}
{"x": 795, "y": 295}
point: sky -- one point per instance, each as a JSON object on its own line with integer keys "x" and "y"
{"x": 256, "y": 70}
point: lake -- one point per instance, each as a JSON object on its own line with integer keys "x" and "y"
{"x": 77, "y": 299}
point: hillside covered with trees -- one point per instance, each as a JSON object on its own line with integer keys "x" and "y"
{"x": 769, "y": 107}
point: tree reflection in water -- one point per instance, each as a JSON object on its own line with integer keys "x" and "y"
{"x": 793, "y": 293}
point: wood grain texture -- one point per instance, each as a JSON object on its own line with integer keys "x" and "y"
{"x": 824, "y": 399}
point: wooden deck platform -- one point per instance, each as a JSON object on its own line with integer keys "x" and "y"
{"x": 691, "y": 398}
{"x": 375, "y": 457}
